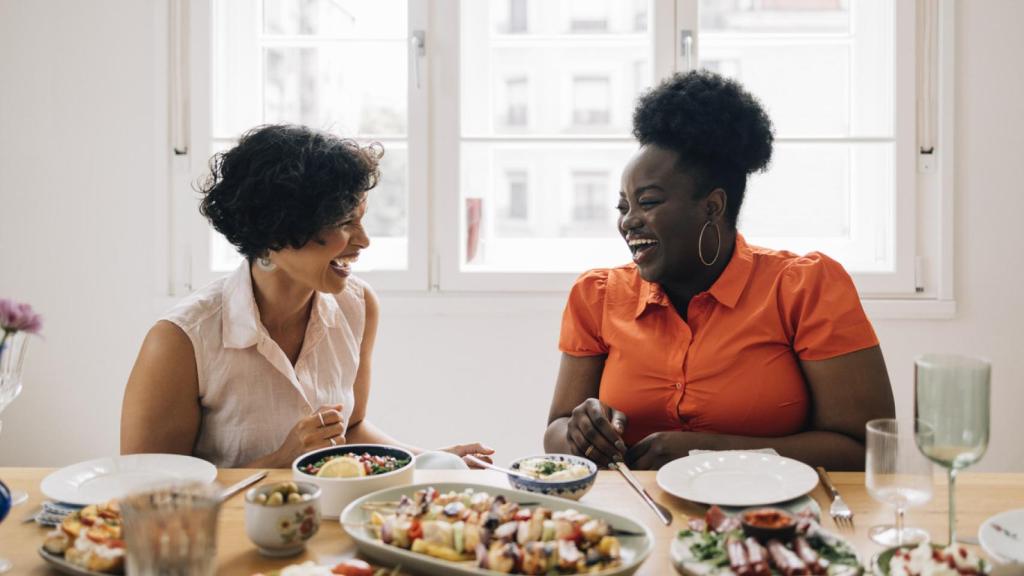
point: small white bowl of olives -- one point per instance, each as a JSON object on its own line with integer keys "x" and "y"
{"x": 280, "y": 517}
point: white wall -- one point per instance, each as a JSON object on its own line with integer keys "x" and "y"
{"x": 82, "y": 184}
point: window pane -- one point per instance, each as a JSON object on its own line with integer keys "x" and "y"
{"x": 353, "y": 84}
{"x": 347, "y": 18}
{"x": 533, "y": 72}
{"x": 768, "y": 16}
{"x": 817, "y": 73}
{"x": 836, "y": 198}
{"x": 541, "y": 207}
{"x": 338, "y": 88}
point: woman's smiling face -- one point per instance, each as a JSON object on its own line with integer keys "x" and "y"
{"x": 659, "y": 217}
{"x": 324, "y": 264}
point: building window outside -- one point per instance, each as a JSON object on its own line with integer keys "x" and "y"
{"x": 590, "y": 197}
{"x": 591, "y": 100}
{"x": 517, "y": 98}
{"x": 518, "y": 201}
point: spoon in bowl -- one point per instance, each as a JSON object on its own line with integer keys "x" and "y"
{"x": 489, "y": 466}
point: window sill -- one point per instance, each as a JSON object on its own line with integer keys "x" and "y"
{"x": 922, "y": 309}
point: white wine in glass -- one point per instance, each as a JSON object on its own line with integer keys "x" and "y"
{"x": 951, "y": 403}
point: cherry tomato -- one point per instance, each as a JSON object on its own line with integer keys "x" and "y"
{"x": 353, "y": 567}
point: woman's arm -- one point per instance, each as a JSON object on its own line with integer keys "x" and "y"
{"x": 846, "y": 392}
{"x": 160, "y": 412}
{"x": 577, "y": 419}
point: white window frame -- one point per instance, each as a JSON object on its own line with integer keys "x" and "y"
{"x": 922, "y": 286}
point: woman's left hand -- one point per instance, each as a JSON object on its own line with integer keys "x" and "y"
{"x": 658, "y": 449}
{"x": 475, "y": 449}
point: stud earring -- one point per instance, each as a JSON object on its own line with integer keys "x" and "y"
{"x": 266, "y": 264}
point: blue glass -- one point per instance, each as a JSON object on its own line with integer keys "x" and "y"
{"x": 5, "y": 507}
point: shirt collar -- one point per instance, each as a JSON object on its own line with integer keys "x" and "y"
{"x": 241, "y": 319}
{"x": 726, "y": 289}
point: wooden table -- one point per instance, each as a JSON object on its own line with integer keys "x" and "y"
{"x": 978, "y": 497}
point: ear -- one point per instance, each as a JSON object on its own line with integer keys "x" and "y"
{"x": 715, "y": 204}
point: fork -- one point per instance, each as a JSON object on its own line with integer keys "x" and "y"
{"x": 841, "y": 514}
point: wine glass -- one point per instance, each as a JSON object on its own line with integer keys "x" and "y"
{"x": 896, "y": 474}
{"x": 951, "y": 396}
{"x": 15, "y": 497}
{"x": 5, "y": 507}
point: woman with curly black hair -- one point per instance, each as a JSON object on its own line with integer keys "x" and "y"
{"x": 706, "y": 342}
{"x": 274, "y": 360}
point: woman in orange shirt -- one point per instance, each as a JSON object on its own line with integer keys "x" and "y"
{"x": 706, "y": 342}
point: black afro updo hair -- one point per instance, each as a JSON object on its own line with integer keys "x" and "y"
{"x": 283, "y": 185}
{"x": 720, "y": 131}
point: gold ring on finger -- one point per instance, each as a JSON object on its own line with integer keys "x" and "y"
{"x": 333, "y": 443}
{"x": 586, "y": 453}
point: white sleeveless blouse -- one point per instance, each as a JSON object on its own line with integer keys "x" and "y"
{"x": 250, "y": 394}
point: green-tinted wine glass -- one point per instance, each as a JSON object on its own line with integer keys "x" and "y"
{"x": 951, "y": 397}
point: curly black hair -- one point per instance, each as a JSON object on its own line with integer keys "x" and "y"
{"x": 284, "y": 184}
{"x": 720, "y": 131}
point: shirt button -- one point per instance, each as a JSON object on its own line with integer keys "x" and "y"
{"x": 679, "y": 386}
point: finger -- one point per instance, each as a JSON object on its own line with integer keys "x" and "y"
{"x": 475, "y": 448}
{"x": 485, "y": 458}
{"x": 586, "y": 448}
{"x": 618, "y": 421}
{"x": 636, "y": 456}
{"x": 598, "y": 439}
{"x": 328, "y": 417}
{"x": 603, "y": 426}
{"x": 330, "y": 431}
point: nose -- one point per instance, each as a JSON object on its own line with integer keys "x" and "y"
{"x": 629, "y": 221}
{"x": 361, "y": 238}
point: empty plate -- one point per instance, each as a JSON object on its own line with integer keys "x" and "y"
{"x": 97, "y": 481}
{"x": 736, "y": 478}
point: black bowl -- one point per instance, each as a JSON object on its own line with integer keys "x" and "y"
{"x": 765, "y": 524}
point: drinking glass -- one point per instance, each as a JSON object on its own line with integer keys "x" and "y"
{"x": 12, "y": 358}
{"x": 172, "y": 530}
{"x": 5, "y": 507}
{"x": 951, "y": 396}
{"x": 896, "y": 474}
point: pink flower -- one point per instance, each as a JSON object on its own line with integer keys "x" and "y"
{"x": 16, "y": 317}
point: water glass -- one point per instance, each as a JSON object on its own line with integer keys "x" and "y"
{"x": 951, "y": 402}
{"x": 172, "y": 531}
{"x": 896, "y": 474}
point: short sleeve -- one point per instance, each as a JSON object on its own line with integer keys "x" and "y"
{"x": 582, "y": 318}
{"x": 821, "y": 309}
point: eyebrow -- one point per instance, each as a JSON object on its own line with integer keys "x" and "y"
{"x": 643, "y": 189}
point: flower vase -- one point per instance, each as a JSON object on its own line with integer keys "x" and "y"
{"x": 12, "y": 359}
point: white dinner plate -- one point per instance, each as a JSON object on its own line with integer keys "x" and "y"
{"x": 1002, "y": 536}
{"x": 736, "y": 478}
{"x": 355, "y": 518}
{"x": 96, "y": 481}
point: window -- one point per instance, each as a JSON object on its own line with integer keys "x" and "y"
{"x": 591, "y": 101}
{"x": 588, "y": 16}
{"x": 522, "y": 197}
{"x": 516, "y": 98}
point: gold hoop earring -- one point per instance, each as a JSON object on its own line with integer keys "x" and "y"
{"x": 700, "y": 244}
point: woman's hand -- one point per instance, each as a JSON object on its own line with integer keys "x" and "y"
{"x": 658, "y": 449}
{"x": 320, "y": 429}
{"x": 475, "y": 449}
{"x": 595, "y": 431}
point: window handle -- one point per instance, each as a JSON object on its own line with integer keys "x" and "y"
{"x": 686, "y": 48}
{"x": 417, "y": 50}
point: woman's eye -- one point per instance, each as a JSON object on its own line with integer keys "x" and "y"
{"x": 649, "y": 203}
{"x": 621, "y": 207}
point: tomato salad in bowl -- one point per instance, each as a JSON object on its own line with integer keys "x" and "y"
{"x": 347, "y": 472}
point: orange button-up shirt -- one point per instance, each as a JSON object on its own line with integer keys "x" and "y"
{"x": 732, "y": 367}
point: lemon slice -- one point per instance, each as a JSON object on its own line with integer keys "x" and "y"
{"x": 343, "y": 467}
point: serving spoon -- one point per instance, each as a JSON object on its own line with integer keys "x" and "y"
{"x": 489, "y": 466}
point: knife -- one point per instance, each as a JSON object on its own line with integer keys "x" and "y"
{"x": 663, "y": 513}
{"x": 242, "y": 484}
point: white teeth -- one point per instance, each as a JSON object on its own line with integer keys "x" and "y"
{"x": 641, "y": 242}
